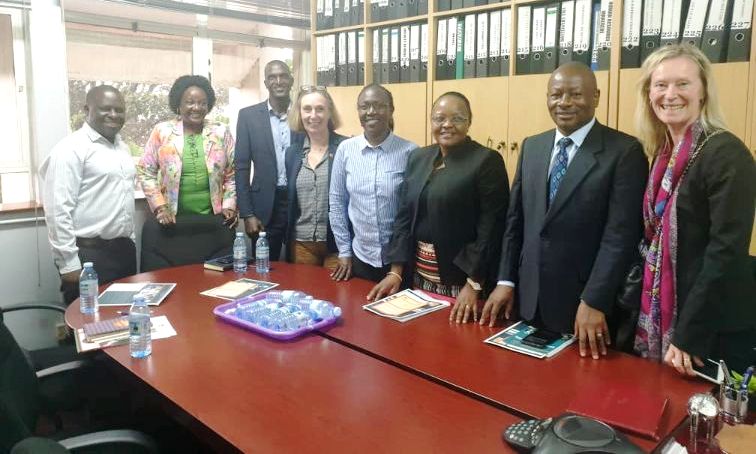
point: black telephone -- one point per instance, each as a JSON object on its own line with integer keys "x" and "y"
{"x": 567, "y": 433}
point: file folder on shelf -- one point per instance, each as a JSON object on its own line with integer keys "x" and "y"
{"x": 451, "y": 47}
{"x": 456, "y": 4}
{"x": 385, "y": 55}
{"x": 467, "y": 3}
{"x": 739, "y": 44}
{"x": 442, "y": 5}
{"x": 505, "y": 51}
{"x": 538, "y": 39}
{"x": 331, "y": 56}
{"x": 522, "y": 64}
{"x": 319, "y": 18}
{"x": 414, "y": 45}
{"x": 631, "y": 30}
{"x": 351, "y": 58}
{"x": 355, "y": 12}
{"x": 459, "y": 58}
{"x": 671, "y": 22}
{"x": 319, "y": 60}
{"x": 494, "y": 44}
{"x": 412, "y": 6}
{"x": 422, "y": 7}
{"x": 377, "y": 61}
{"x": 550, "y": 39}
{"x": 327, "y": 14}
{"x": 694, "y": 22}
{"x": 651, "y": 29}
{"x": 338, "y": 14}
{"x": 394, "y": 68}
{"x": 606, "y": 23}
{"x": 581, "y": 41}
{"x": 566, "y": 30}
{"x": 441, "y": 42}
{"x": 470, "y": 58}
{"x": 404, "y": 53}
{"x": 341, "y": 78}
{"x": 360, "y": 57}
{"x": 714, "y": 40}
{"x": 423, "y": 53}
{"x": 596, "y": 17}
{"x": 481, "y": 45}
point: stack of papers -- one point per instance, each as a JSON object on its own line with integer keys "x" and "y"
{"x": 511, "y": 339}
{"x": 122, "y": 294}
{"x": 161, "y": 328}
{"x": 406, "y": 305}
{"x": 239, "y": 288}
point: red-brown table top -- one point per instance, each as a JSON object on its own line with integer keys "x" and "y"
{"x": 306, "y": 395}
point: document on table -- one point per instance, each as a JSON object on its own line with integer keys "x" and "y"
{"x": 161, "y": 329}
{"x": 406, "y": 305}
{"x": 122, "y": 294}
{"x": 511, "y": 339}
{"x": 239, "y": 288}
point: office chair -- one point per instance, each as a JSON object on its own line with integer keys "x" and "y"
{"x": 193, "y": 239}
{"x": 21, "y": 404}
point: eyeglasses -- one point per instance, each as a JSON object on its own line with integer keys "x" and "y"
{"x": 312, "y": 88}
{"x": 376, "y": 106}
{"x": 455, "y": 120}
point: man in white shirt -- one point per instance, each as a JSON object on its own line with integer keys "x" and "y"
{"x": 88, "y": 195}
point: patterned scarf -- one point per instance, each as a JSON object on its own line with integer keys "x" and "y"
{"x": 658, "y": 312}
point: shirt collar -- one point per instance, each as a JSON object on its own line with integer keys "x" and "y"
{"x": 383, "y": 145}
{"x": 273, "y": 112}
{"x": 578, "y": 137}
{"x": 95, "y": 136}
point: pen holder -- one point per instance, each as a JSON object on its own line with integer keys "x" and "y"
{"x": 703, "y": 410}
{"x": 733, "y": 403}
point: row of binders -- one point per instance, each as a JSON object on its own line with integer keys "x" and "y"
{"x": 340, "y": 59}
{"x": 400, "y": 54}
{"x": 720, "y": 28}
{"x": 445, "y": 5}
{"x": 475, "y": 45}
{"x": 338, "y": 13}
{"x": 383, "y": 10}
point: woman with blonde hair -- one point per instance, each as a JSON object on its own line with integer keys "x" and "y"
{"x": 698, "y": 211}
{"x": 308, "y": 172}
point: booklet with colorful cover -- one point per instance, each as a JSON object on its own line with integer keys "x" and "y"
{"x": 122, "y": 294}
{"x": 406, "y": 305}
{"x": 240, "y": 288}
{"x": 511, "y": 339}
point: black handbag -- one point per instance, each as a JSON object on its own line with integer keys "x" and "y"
{"x": 629, "y": 301}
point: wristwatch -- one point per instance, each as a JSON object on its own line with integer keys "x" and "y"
{"x": 475, "y": 286}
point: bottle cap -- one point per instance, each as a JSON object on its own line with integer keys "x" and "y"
{"x": 238, "y": 234}
{"x": 88, "y": 264}
{"x": 263, "y": 234}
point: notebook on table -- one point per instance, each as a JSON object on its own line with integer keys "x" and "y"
{"x": 623, "y": 406}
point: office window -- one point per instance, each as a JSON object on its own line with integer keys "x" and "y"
{"x": 142, "y": 65}
{"x": 15, "y": 182}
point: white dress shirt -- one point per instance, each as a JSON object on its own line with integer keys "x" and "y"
{"x": 87, "y": 191}
{"x": 578, "y": 137}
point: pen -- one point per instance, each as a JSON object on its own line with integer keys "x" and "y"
{"x": 726, "y": 372}
{"x": 746, "y": 379}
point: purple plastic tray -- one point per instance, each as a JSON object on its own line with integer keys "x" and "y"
{"x": 225, "y": 313}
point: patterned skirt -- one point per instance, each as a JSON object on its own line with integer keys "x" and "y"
{"x": 426, "y": 275}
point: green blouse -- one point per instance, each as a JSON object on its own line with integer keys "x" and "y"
{"x": 194, "y": 188}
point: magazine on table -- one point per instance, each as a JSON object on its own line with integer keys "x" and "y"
{"x": 161, "y": 329}
{"x": 406, "y": 305}
{"x": 512, "y": 338}
{"x": 240, "y": 288}
{"x": 122, "y": 294}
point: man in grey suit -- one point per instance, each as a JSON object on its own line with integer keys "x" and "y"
{"x": 574, "y": 219}
{"x": 262, "y": 137}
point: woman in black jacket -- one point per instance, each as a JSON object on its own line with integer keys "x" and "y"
{"x": 454, "y": 200}
{"x": 308, "y": 172}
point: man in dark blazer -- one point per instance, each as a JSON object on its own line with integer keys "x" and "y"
{"x": 574, "y": 219}
{"x": 262, "y": 136}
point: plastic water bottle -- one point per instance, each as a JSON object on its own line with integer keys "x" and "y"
{"x": 240, "y": 253}
{"x": 286, "y": 296}
{"x": 322, "y": 310}
{"x": 140, "y": 328}
{"x": 262, "y": 254}
{"x": 88, "y": 289}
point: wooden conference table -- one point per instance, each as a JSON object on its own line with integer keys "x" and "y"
{"x": 340, "y": 388}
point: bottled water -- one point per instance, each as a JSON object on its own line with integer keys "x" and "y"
{"x": 287, "y": 296}
{"x": 322, "y": 310}
{"x": 262, "y": 254}
{"x": 240, "y": 253}
{"x": 88, "y": 289}
{"x": 140, "y": 335}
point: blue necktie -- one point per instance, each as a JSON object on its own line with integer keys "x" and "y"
{"x": 560, "y": 167}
